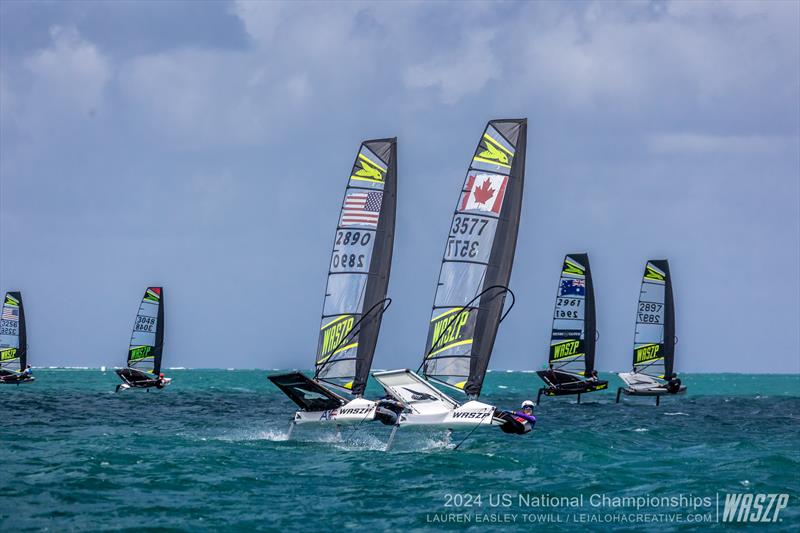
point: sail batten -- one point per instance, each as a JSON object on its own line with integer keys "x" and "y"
{"x": 654, "y": 338}
{"x": 477, "y": 260}
{"x": 358, "y": 273}
{"x": 147, "y": 338}
{"x": 13, "y": 336}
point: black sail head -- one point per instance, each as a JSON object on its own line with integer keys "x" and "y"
{"x": 358, "y": 277}
{"x": 590, "y": 321}
{"x": 572, "y": 338}
{"x": 147, "y": 339}
{"x": 13, "y": 336}
{"x": 477, "y": 261}
{"x": 654, "y": 339}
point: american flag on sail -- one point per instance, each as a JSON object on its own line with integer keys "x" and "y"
{"x": 11, "y": 313}
{"x": 362, "y": 209}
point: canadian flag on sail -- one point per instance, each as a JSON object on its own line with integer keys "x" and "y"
{"x": 484, "y": 192}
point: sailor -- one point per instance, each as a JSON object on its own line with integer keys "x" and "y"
{"x": 160, "y": 382}
{"x": 526, "y": 412}
{"x": 593, "y": 376}
{"x": 27, "y": 372}
{"x": 674, "y": 384}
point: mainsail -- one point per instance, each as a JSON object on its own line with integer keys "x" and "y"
{"x": 13, "y": 340}
{"x": 477, "y": 261}
{"x": 654, "y": 341}
{"x": 147, "y": 339}
{"x": 355, "y": 297}
{"x": 572, "y": 341}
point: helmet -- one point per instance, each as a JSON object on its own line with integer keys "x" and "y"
{"x": 161, "y": 375}
{"x": 527, "y": 403}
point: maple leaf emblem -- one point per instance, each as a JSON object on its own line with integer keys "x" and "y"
{"x": 484, "y": 193}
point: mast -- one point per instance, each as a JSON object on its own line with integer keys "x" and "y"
{"x": 13, "y": 337}
{"x": 478, "y": 256}
{"x": 147, "y": 339}
{"x": 654, "y": 340}
{"x": 573, "y": 335}
{"x": 358, "y": 277}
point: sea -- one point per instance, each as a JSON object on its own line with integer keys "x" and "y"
{"x": 210, "y": 452}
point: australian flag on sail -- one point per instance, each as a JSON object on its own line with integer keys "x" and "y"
{"x": 575, "y": 287}
{"x": 11, "y": 313}
{"x": 362, "y": 209}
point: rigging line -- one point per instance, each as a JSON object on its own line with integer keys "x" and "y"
{"x": 468, "y": 436}
{"x": 354, "y": 332}
{"x": 504, "y": 290}
{"x": 357, "y": 426}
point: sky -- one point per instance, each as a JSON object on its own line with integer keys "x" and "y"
{"x": 205, "y": 147}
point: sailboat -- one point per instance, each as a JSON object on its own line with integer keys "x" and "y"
{"x": 574, "y": 334}
{"x": 147, "y": 345}
{"x": 13, "y": 341}
{"x": 471, "y": 291}
{"x": 654, "y": 340}
{"x": 355, "y": 297}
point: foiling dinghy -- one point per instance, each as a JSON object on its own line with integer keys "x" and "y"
{"x": 146, "y": 346}
{"x": 355, "y": 298}
{"x": 13, "y": 342}
{"x": 654, "y": 340}
{"x": 574, "y": 334}
{"x": 470, "y": 294}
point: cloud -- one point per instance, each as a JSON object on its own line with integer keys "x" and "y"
{"x": 200, "y": 97}
{"x": 460, "y": 71}
{"x": 642, "y": 58}
{"x": 703, "y": 144}
{"x": 71, "y": 74}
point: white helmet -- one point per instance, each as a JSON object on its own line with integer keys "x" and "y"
{"x": 527, "y": 403}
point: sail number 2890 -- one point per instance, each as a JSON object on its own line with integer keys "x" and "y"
{"x": 353, "y": 237}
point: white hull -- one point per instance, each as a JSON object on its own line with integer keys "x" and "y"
{"x": 354, "y": 412}
{"x": 124, "y": 386}
{"x": 644, "y": 385}
{"x": 471, "y": 414}
{"x": 428, "y": 406}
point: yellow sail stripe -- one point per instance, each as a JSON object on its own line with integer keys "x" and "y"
{"x": 460, "y": 385}
{"x": 482, "y": 160}
{"x": 365, "y": 179}
{"x": 371, "y": 162}
{"x": 452, "y": 345}
{"x": 573, "y": 268}
{"x": 560, "y": 359}
{"x": 334, "y": 321}
{"x": 434, "y": 319}
{"x": 562, "y": 342}
{"x": 503, "y": 148}
{"x": 343, "y": 348}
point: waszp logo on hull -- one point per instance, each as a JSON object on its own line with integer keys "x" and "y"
{"x": 355, "y": 410}
{"x": 471, "y": 414}
{"x": 754, "y": 507}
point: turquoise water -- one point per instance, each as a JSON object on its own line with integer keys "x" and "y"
{"x": 210, "y": 452}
